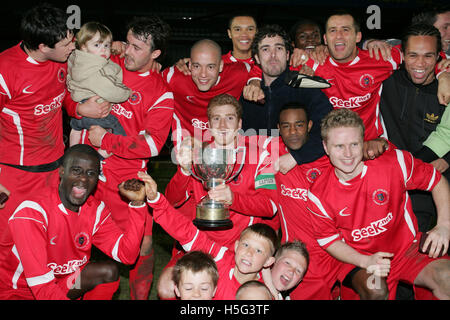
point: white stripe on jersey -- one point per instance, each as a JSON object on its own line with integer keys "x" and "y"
{"x": 45, "y": 278}
{"x": 98, "y": 214}
{"x": 248, "y": 66}
{"x": 401, "y": 162}
{"x": 377, "y": 110}
{"x": 144, "y": 74}
{"x": 19, "y": 269}
{"x": 253, "y": 78}
{"x": 432, "y": 180}
{"x": 250, "y": 222}
{"x": 188, "y": 246}
{"x": 284, "y": 223}
{"x": 4, "y": 86}
{"x": 63, "y": 209}
{"x": 318, "y": 204}
{"x": 324, "y": 241}
{"x": 83, "y": 136}
{"x": 151, "y": 143}
{"x": 31, "y": 60}
{"x": 32, "y": 205}
{"x": 383, "y": 126}
{"x": 178, "y": 129}
{"x": 407, "y": 216}
{"x": 267, "y": 141}
{"x": 394, "y": 64}
{"x": 167, "y": 95}
{"x": 221, "y": 253}
{"x": 262, "y": 157}
{"x": 364, "y": 171}
{"x": 316, "y": 65}
{"x": 170, "y": 74}
{"x": 274, "y": 207}
{"x": 115, "y": 250}
{"x": 16, "y": 120}
{"x": 212, "y": 247}
{"x": 355, "y": 61}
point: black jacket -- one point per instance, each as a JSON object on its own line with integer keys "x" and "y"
{"x": 257, "y": 116}
{"x": 410, "y": 113}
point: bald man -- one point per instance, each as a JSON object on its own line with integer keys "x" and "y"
{"x": 209, "y": 77}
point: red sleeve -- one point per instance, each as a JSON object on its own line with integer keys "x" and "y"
{"x": 179, "y": 189}
{"x": 255, "y": 73}
{"x": 257, "y": 203}
{"x": 153, "y": 135}
{"x": 260, "y": 199}
{"x": 121, "y": 246}
{"x": 310, "y": 63}
{"x": 324, "y": 225}
{"x": 71, "y": 106}
{"x": 396, "y": 57}
{"x": 5, "y": 90}
{"x": 416, "y": 173}
{"x": 438, "y": 71}
{"x": 29, "y": 232}
{"x": 181, "y": 228}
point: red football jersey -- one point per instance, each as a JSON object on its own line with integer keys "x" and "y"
{"x": 47, "y": 244}
{"x": 191, "y": 103}
{"x": 357, "y": 85}
{"x": 229, "y": 58}
{"x": 293, "y": 196}
{"x": 372, "y": 212}
{"x": 31, "y": 97}
{"x": 296, "y": 225}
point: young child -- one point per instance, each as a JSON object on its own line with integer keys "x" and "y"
{"x": 195, "y": 276}
{"x": 291, "y": 263}
{"x": 253, "y": 251}
{"x": 91, "y": 73}
{"x": 253, "y": 290}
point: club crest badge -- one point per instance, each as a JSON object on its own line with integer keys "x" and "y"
{"x": 313, "y": 174}
{"x": 61, "y": 75}
{"x": 82, "y": 240}
{"x": 380, "y": 197}
{"x": 135, "y": 98}
{"x": 366, "y": 81}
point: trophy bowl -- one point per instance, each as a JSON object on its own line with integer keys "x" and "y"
{"x": 213, "y": 166}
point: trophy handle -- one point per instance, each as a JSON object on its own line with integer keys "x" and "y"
{"x": 242, "y": 163}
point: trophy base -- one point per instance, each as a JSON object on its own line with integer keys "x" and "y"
{"x": 213, "y": 224}
{"x": 211, "y": 214}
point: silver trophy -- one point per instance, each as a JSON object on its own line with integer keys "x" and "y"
{"x": 213, "y": 166}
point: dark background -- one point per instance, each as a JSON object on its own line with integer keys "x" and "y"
{"x": 193, "y": 20}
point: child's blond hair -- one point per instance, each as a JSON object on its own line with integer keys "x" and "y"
{"x": 89, "y": 30}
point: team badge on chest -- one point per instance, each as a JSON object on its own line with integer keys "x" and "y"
{"x": 380, "y": 197}
{"x": 81, "y": 240}
{"x": 313, "y": 174}
{"x": 366, "y": 81}
{"x": 61, "y": 75}
{"x": 135, "y": 98}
